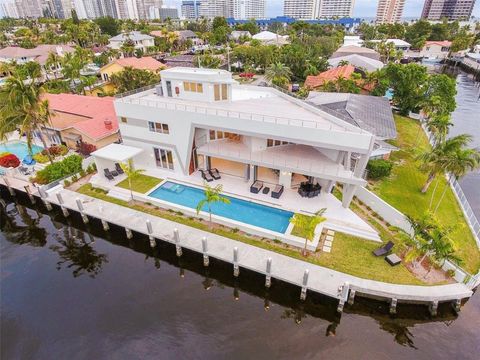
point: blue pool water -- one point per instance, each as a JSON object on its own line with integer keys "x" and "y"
{"x": 239, "y": 210}
{"x": 20, "y": 149}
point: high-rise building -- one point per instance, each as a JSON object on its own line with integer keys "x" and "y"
{"x": 167, "y": 12}
{"x": 29, "y": 8}
{"x": 328, "y": 9}
{"x": 246, "y": 9}
{"x": 212, "y": 8}
{"x": 9, "y": 9}
{"x": 450, "y": 9}
{"x": 318, "y": 9}
{"x": 389, "y": 11}
{"x": 190, "y": 8}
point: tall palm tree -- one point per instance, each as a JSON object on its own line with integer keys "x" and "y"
{"x": 307, "y": 225}
{"x": 460, "y": 163}
{"x": 22, "y": 107}
{"x": 438, "y": 157}
{"x": 53, "y": 60}
{"x": 131, "y": 173}
{"x": 212, "y": 195}
{"x": 279, "y": 74}
{"x": 439, "y": 125}
{"x": 86, "y": 81}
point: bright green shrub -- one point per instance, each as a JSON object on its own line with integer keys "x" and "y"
{"x": 68, "y": 166}
{"x": 40, "y": 158}
{"x": 379, "y": 168}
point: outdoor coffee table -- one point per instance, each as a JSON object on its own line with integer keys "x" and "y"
{"x": 393, "y": 259}
{"x": 266, "y": 190}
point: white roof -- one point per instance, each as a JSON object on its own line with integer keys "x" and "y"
{"x": 396, "y": 42}
{"x": 133, "y": 35}
{"x": 267, "y": 35}
{"x": 204, "y": 74}
{"x": 358, "y": 61}
{"x": 117, "y": 152}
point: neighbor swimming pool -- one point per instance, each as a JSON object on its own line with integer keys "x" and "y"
{"x": 19, "y": 148}
{"x": 239, "y": 210}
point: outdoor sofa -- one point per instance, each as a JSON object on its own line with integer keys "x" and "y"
{"x": 256, "y": 187}
{"x": 277, "y": 191}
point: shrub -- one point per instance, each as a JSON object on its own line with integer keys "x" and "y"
{"x": 86, "y": 149}
{"x": 4, "y": 153}
{"x": 9, "y": 160}
{"x": 379, "y": 168}
{"x": 68, "y": 166}
{"x": 74, "y": 178}
{"x": 56, "y": 150}
{"x": 66, "y": 183}
{"x": 82, "y": 173}
{"x": 40, "y": 158}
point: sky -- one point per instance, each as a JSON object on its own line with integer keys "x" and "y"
{"x": 363, "y": 8}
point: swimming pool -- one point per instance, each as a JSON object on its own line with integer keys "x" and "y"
{"x": 19, "y": 148}
{"x": 239, "y": 210}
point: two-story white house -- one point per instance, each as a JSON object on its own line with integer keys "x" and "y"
{"x": 141, "y": 41}
{"x": 199, "y": 119}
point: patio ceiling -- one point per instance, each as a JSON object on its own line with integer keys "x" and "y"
{"x": 296, "y": 158}
{"x": 117, "y": 152}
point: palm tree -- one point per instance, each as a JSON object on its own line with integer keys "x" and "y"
{"x": 460, "y": 163}
{"x": 441, "y": 246}
{"x": 307, "y": 225}
{"x": 439, "y": 125}
{"x": 212, "y": 195}
{"x": 131, "y": 173}
{"x": 438, "y": 157}
{"x": 21, "y": 107}
{"x": 53, "y": 60}
{"x": 86, "y": 81}
{"x": 278, "y": 74}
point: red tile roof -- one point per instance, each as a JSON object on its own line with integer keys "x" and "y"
{"x": 94, "y": 110}
{"x": 314, "y": 81}
{"x": 445, "y": 43}
{"x": 144, "y": 63}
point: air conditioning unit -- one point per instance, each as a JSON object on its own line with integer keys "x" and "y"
{"x": 159, "y": 90}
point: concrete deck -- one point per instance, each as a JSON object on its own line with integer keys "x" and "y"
{"x": 322, "y": 280}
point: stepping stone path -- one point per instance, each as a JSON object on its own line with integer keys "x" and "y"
{"x": 328, "y": 241}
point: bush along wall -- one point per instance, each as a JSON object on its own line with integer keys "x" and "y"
{"x": 379, "y": 168}
{"x": 70, "y": 165}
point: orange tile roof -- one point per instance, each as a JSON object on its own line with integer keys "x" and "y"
{"x": 445, "y": 43}
{"x": 314, "y": 81}
{"x": 143, "y": 63}
{"x": 86, "y": 114}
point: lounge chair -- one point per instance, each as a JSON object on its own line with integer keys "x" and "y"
{"x": 206, "y": 176}
{"x": 108, "y": 174}
{"x": 385, "y": 249}
{"x": 302, "y": 192}
{"x": 215, "y": 174}
{"x": 256, "y": 187}
{"x": 277, "y": 191}
{"x": 119, "y": 169}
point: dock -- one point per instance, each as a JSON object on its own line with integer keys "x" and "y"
{"x": 308, "y": 277}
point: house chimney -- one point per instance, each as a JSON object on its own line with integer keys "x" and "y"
{"x": 108, "y": 124}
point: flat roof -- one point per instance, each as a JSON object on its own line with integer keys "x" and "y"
{"x": 117, "y": 152}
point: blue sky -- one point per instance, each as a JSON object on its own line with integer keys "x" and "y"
{"x": 363, "y": 8}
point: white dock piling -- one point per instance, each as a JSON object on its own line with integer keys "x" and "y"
{"x": 206, "y": 260}
{"x": 268, "y": 273}
{"x": 303, "y": 294}
{"x": 81, "y": 209}
{"x": 60, "y": 201}
{"x": 176, "y": 238}
{"x": 236, "y": 268}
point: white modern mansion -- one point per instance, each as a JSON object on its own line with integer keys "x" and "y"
{"x": 202, "y": 119}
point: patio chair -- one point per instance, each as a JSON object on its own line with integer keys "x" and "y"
{"x": 302, "y": 192}
{"x": 316, "y": 192}
{"x": 311, "y": 194}
{"x": 256, "y": 187}
{"x": 383, "y": 250}
{"x": 215, "y": 174}
{"x": 119, "y": 169}
{"x": 277, "y": 191}
{"x": 108, "y": 174}
{"x": 206, "y": 176}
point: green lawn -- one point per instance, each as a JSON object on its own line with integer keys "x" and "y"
{"x": 140, "y": 183}
{"x": 402, "y": 190}
{"x": 349, "y": 254}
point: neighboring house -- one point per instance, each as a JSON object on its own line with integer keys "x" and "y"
{"x": 359, "y": 61}
{"x": 38, "y": 54}
{"x": 270, "y": 38}
{"x": 398, "y": 43}
{"x": 370, "y": 113}
{"x": 356, "y": 50}
{"x": 352, "y": 40}
{"x": 235, "y": 35}
{"x": 315, "y": 81}
{"x": 182, "y": 36}
{"x": 141, "y": 41}
{"x": 433, "y": 50}
{"x": 118, "y": 65}
{"x": 179, "y": 61}
{"x": 201, "y": 118}
{"x": 78, "y": 119}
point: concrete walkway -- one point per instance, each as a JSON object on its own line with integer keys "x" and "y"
{"x": 322, "y": 280}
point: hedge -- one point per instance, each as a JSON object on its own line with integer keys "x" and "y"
{"x": 9, "y": 160}
{"x": 68, "y": 166}
{"x": 379, "y": 168}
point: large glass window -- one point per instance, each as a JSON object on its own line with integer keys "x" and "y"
{"x": 163, "y": 158}
{"x": 158, "y": 127}
{"x": 272, "y": 142}
{"x": 192, "y": 87}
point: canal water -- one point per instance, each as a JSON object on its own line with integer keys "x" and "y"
{"x": 73, "y": 291}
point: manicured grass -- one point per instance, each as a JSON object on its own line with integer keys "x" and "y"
{"x": 350, "y": 254}
{"x": 140, "y": 183}
{"x": 402, "y": 190}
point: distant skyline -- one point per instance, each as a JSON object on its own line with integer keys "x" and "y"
{"x": 363, "y": 8}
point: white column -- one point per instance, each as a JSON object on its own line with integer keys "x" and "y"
{"x": 285, "y": 179}
{"x": 348, "y": 193}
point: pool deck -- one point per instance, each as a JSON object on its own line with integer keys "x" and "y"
{"x": 322, "y": 280}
